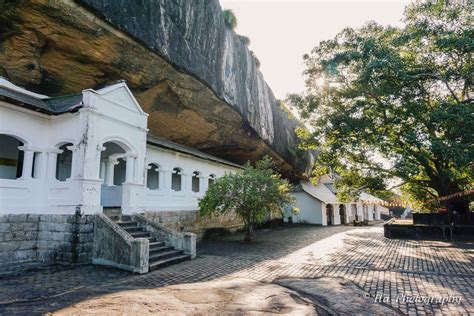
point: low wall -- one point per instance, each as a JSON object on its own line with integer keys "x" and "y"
{"x": 443, "y": 219}
{"x": 27, "y": 238}
{"x": 190, "y": 221}
{"x": 394, "y": 230}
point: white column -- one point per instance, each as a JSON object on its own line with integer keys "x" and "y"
{"x": 166, "y": 179}
{"x": 41, "y": 165}
{"x": 103, "y": 169}
{"x": 203, "y": 184}
{"x": 161, "y": 178}
{"x": 324, "y": 220}
{"x": 52, "y": 160}
{"x": 74, "y": 166}
{"x": 27, "y": 163}
{"x": 109, "y": 174}
{"x": 129, "y": 176}
{"x": 186, "y": 182}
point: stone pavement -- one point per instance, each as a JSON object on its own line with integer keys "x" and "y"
{"x": 393, "y": 273}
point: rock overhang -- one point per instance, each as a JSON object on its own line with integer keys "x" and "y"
{"x": 191, "y": 73}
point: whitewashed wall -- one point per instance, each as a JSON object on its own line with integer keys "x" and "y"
{"x": 164, "y": 198}
{"x": 110, "y": 115}
{"x": 309, "y": 209}
{"x": 41, "y": 134}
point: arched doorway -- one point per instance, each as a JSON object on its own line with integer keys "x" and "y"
{"x": 342, "y": 213}
{"x": 113, "y": 166}
{"x": 329, "y": 214}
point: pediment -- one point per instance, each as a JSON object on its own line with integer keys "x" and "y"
{"x": 120, "y": 94}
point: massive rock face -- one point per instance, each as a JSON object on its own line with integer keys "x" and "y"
{"x": 190, "y": 72}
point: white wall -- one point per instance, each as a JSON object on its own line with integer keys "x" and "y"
{"x": 108, "y": 116}
{"x": 310, "y": 209}
{"x": 42, "y": 135}
{"x": 164, "y": 198}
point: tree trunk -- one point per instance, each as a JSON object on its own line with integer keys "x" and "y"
{"x": 248, "y": 234}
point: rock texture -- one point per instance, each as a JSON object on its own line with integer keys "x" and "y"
{"x": 190, "y": 72}
{"x": 232, "y": 297}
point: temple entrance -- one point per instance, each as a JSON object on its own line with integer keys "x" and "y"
{"x": 112, "y": 172}
{"x": 342, "y": 213}
{"x": 329, "y": 214}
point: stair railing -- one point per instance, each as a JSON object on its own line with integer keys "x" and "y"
{"x": 113, "y": 246}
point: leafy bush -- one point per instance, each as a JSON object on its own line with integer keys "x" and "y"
{"x": 253, "y": 193}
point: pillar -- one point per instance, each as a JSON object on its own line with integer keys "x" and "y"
{"x": 27, "y": 162}
{"x": 109, "y": 174}
{"x": 161, "y": 182}
{"x": 187, "y": 182}
{"x": 103, "y": 169}
{"x": 167, "y": 179}
{"x": 203, "y": 184}
{"x": 129, "y": 167}
{"x": 74, "y": 167}
{"x": 52, "y": 160}
{"x": 41, "y": 165}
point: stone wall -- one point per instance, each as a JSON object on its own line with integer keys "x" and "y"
{"x": 27, "y": 238}
{"x": 190, "y": 221}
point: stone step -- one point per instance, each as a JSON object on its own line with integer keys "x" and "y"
{"x": 156, "y": 244}
{"x": 157, "y": 250}
{"x": 140, "y": 234}
{"x": 151, "y": 239}
{"x": 164, "y": 254}
{"x": 168, "y": 261}
{"x": 127, "y": 223}
{"x": 131, "y": 229}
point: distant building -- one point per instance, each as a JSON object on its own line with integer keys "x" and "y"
{"x": 318, "y": 204}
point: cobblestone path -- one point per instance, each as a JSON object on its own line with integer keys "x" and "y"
{"x": 391, "y": 272}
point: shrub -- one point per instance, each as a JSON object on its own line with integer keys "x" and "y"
{"x": 253, "y": 194}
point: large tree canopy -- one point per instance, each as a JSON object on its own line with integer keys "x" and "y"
{"x": 396, "y": 103}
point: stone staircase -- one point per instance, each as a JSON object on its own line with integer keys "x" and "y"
{"x": 160, "y": 255}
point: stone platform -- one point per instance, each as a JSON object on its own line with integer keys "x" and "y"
{"x": 390, "y": 273}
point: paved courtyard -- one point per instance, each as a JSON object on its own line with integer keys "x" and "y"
{"x": 408, "y": 277}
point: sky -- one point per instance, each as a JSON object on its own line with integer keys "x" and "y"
{"x": 281, "y": 31}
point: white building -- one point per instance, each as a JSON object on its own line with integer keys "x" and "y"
{"x": 80, "y": 154}
{"x": 318, "y": 204}
{"x": 92, "y": 150}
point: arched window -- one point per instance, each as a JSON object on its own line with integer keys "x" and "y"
{"x": 176, "y": 179}
{"x": 153, "y": 177}
{"x": 195, "y": 181}
{"x": 211, "y": 180}
{"x": 64, "y": 163}
{"x": 11, "y": 158}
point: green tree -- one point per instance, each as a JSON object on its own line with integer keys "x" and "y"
{"x": 230, "y": 19}
{"x": 253, "y": 194}
{"x": 396, "y": 103}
